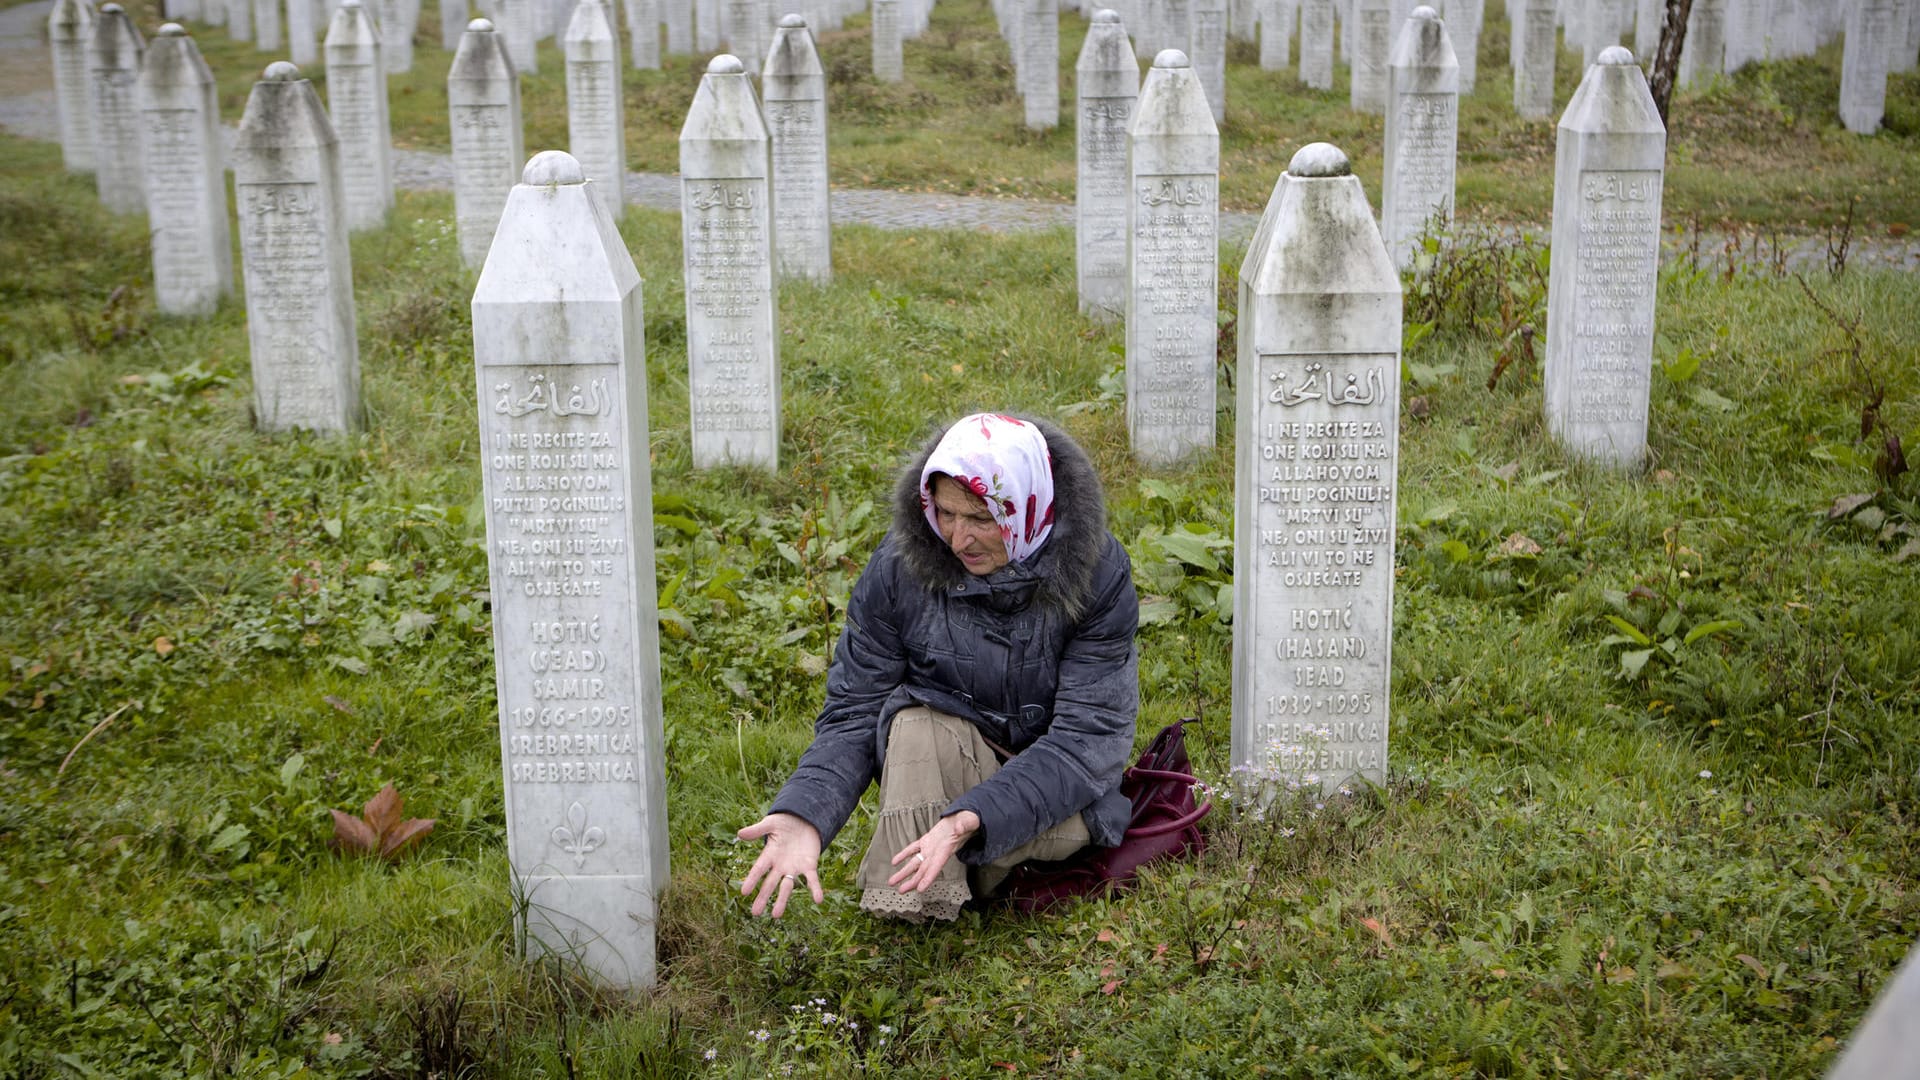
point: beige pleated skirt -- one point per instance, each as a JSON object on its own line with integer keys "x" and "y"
{"x": 932, "y": 759}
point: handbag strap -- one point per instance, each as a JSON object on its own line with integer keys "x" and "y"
{"x": 1175, "y": 825}
{"x": 1138, "y": 773}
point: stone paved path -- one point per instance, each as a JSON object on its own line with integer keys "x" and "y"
{"x": 27, "y": 109}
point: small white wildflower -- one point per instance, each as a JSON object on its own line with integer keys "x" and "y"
{"x": 762, "y": 1034}
{"x": 711, "y": 1053}
{"x": 886, "y": 1029}
{"x": 1347, "y": 791}
{"x": 829, "y": 1018}
{"x": 819, "y": 1001}
{"x": 1706, "y": 774}
{"x": 1284, "y": 833}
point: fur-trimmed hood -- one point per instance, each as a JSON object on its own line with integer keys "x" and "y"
{"x": 1060, "y": 575}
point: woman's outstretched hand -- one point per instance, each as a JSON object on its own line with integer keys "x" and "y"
{"x": 792, "y": 853}
{"x": 920, "y": 861}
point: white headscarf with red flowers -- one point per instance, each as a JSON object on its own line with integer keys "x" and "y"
{"x": 1005, "y": 462}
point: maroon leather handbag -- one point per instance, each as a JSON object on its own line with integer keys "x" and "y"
{"x": 1165, "y": 825}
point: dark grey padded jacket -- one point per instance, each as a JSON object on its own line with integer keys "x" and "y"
{"x": 1039, "y": 654}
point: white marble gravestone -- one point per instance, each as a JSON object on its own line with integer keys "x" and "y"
{"x": 706, "y": 25}
{"x": 1373, "y": 31}
{"x": 294, "y": 259}
{"x": 795, "y": 91}
{"x": 596, "y": 125}
{"x": 1173, "y": 265}
{"x": 186, "y": 177}
{"x": 1609, "y": 164}
{"x": 1207, "y": 52}
{"x": 1650, "y": 17}
{"x": 1705, "y": 50}
{"x": 1885, "y": 1046}
{"x": 239, "y": 19}
{"x": 1423, "y": 127}
{"x": 643, "y": 34}
{"x": 396, "y": 20}
{"x": 357, "y": 105}
{"x": 483, "y": 105}
{"x": 1536, "y": 50}
{"x": 1315, "y": 478}
{"x": 1748, "y": 26}
{"x": 70, "y": 29}
{"x": 1276, "y": 32}
{"x": 453, "y": 24}
{"x": 1107, "y": 88}
{"x": 213, "y": 12}
{"x": 513, "y": 21}
{"x": 113, "y": 65}
{"x": 266, "y": 25}
{"x": 742, "y": 29}
{"x": 303, "y": 32}
{"x": 889, "y": 64}
{"x": 560, "y": 363}
{"x": 678, "y": 17}
{"x": 726, "y": 228}
{"x": 1464, "y": 20}
{"x": 1316, "y": 43}
{"x": 1863, "y": 64}
{"x": 1040, "y": 61}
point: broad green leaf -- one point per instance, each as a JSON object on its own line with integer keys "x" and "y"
{"x": 1632, "y": 662}
{"x": 333, "y": 527}
{"x": 1457, "y": 551}
{"x": 1708, "y": 629}
{"x": 1708, "y": 399}
{"x": 1436, "y": 513}
{"x": 350, "y": 663}
{"x": 1633, "y": 633}
{"x": 291, "y": 769}
{"x": 788, "y": 552}
{"x": 1158, "y": 610}
{"x": 228, "y": 837}
{"x": 683, "y": 525}
{"x": 1669, "y": 622}
{"x": 1151, "y": 489}
{"x": 1683, "y": 366}
{"x": 1188, "y": 548}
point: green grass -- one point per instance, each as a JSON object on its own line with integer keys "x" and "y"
{"x": 256, "y": 629}
{"x": 1762, "y": 148}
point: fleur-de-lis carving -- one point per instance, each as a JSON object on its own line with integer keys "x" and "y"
{"x": 576, "y": 838}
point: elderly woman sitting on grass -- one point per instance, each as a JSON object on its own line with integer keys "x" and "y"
{"x": 986, "y": 677}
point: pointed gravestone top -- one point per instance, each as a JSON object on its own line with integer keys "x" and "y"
{"x": 1171, "y": 58}
{"x": 1615, "y": 55}
{"x": 553, "y": 167}
{"x": 281, "y": 71}
{"x": 112, "y": 9}
{"x": 1319, "y": 160}
{"x": 172, "y": 30}
{"x": 1106, "y": 15}
{"x": 725, "y": 64}
{"x": 485, "y": 26}
{"x": 1613, "y": 97}
{"x": 793, "y": 22}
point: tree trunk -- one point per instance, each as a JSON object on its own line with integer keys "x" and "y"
{"x": 1666, "y": 59}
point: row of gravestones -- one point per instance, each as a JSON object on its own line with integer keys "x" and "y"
{"x": 1722, "y": 35}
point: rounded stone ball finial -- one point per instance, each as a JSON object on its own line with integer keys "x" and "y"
{"x": 350, "y": 3}
{"x": 725, "y": 64}
{"x": 112, "y": 9}
{"x": 553, "y": 167}
{"x": 172, "y": 29}
{"x": 1423, "y": 12}
{"x": 1616, "y": 55}
{"x": 483, "y": 26}
{"x": 281, "y": 71}
{"x": 1171, "y": 58}
{"x": 1319, "y": 160}
{"x": 791, "y": 21}
{"x": 1106, "y": 15}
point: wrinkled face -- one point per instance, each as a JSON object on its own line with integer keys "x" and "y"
{"x": 968, "y": 526}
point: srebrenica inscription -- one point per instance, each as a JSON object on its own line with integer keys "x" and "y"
{"x": 294, "y": 259}
{"x": 1609, "y": 161}
{"x": 726, "y": 229}
{"x": 1316, "y": 447}
{"x": 1173, "y": 258}
{"x": 560, "y": 366}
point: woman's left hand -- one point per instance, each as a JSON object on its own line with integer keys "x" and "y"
{"x": 921, "y": 861}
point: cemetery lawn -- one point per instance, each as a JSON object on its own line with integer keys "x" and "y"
{"x": 1762, "y": 149}
{"x": 1652, "y": 805}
